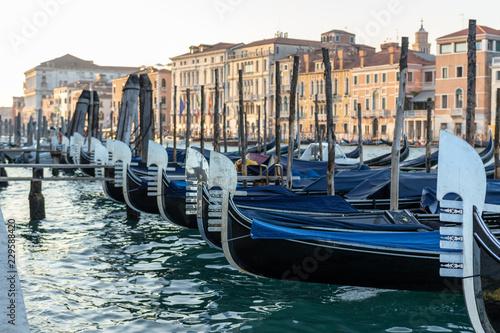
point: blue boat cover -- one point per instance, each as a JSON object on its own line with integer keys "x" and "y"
{"x": 420, "y": 241}
{"x": 347, "y": 180}
{"x": 313, "y": 203}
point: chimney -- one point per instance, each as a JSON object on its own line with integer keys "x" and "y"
{"x": 362, "y": 56}
{"x": 392, "y": 52}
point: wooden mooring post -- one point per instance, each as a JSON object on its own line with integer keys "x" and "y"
{"x": 429, "y": 136}
{"x": 360, "y": 136}
{"x": 224, "y": 130}
{"x": 471, "y": 84}
{"x": 241, "y": 126}
{"x": 396, "y": 144}
{"x": 277, "y": 109}
{"x": 35, "y": 197}
{"x": 291, "y": 121}
{"x": 202, "y": 120}
{"x": 330, "y": 133}
{"x": 497, "y": 136}
{"x": 216, "y": 112}
{"x": 265, "y": 125}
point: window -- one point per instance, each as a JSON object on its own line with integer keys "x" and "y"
{"x": 428, "y": 77}
{"x": 383, "y": 103}
{"x": 352, "y": 40}
{"x": 383, "y": 129}
{"x": 410, "y": 76}
{"x": 397, "y": 76}
{"x": 367, "y": 104}
{"x": 346, "y": 86}
{"x": 355, "y": 80}
{"x": 497, "y": 47}
{"x": 355, "y": 105}
{"x": 335, "y": 109}
{"x": 460, "y": 71}
{"x": 444, "y": 72}
{"x": 375, "y": 78}
{"x": 444, "y": 101}
{"x": 384, "y": 77}
{"x": 479, "y": 45}
{"x": 445, "y": 48}
{"x": 367, "y": 79}
{"x": 444, "y": 126}
{"x": 335, "y": 86}
{"x": 461, "y": 47}
{"x": 163, "y": 100}
{"x": 498, "y": 75}
{"x": 163, "y": 83}
{"x": 490, "y": 45}
{"x": 346, "y": 110}
{"x": 264, "y": 65}
{"x": 459, "y": 98}
{"x": 375, "y": 100}
{"x": 337, "y": 38}
{"x": 257, "y": 66}
{"x": 345, "y": 125}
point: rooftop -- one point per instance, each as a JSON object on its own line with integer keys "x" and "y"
{"x": 480, "y": 30}
{"x": 69, "y": 61}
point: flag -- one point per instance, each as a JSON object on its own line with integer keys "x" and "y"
{"x": 209, "y": 105}
{"x": 197, "y": 106}
{"x": 181, "y": 108}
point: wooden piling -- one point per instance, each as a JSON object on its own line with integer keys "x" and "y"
{"x": 471, "y": 84}
{"x": 146, "y": 116}
{"x": 36, "y": 199}
{"x": 360, "y": 136}
{"x": 17, "y": 131}
{"x": 396, "y": 144}
{"x": 291, "y": 120}
{"x": 216, "y": 112}
{"x": 330, "y": 133}
{"x": 429, "y": 137}
{"x": 45, "y": 130}
{"x": 95, "y": 114}
{"x": 128, "y": 109}
{"x": 277, "y": 103}
{"x": 259, "y": 142}
{"x": 265, "y": 125}
{"x": 241, "y": 127}
{"x": 317, "y": 130}
{"x": 497, "y": 136}
{"x": 202, "y": 120}
{"x": 298, "y": 126}
{"x": 90, "y": 120}
{"x": 175, "y": 124}
{"x": 188, "y": 117}
{"x": 38, "y": 136}
{"x": 111, "y": 117}
{"x": 30, "y": 132}
{"x": 224, "y": 130}
{"x": 77, "y": 122}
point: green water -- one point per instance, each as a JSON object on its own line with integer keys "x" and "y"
{"x": 86, "y": 268}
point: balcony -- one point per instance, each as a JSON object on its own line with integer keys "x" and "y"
{"x": 416, "y": 114}
{"x": 457, "y": 113}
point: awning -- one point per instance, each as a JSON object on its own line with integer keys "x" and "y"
{"x": 423, "y": 96}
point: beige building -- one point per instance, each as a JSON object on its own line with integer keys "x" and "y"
{"x": 451, "y": 80}
{"x": 495, "y": 85}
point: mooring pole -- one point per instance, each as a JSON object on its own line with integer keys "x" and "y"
{"x": 265, "y": 125}
{"x": 317, "y": 131}
{"x": 175, "y": 124}
{"x": 36, "y": 199}
{"x": 216, "y": 112}
{"x": 277, "y": 103}
{"x": 160, "y": 120}
{"x": 497, "y": 137}
{"x": 241, "y": 127}
{"x": 259, "y": 141}
{"x": 202, "y": 120}
{"x": 360, "y": 136}
{"x": 188, "y": 117}
{"x": 330, "y": 133}
{"x": 298, "y": 126}
{"x": 224, "y": 135}
{"x": 291, "y": 120}
{"x": 471, "y": 83}
{"x": 90, "y": 124}
{"x": 429, "y": 137}
{"x": 396, "y": 144}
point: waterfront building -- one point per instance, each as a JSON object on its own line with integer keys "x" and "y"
{"x": 495, "y": 85}
{"x": 42, "y": 79}
{"x": 451, "y": 80}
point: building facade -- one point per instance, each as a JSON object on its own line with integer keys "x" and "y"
{"x": 451, "y": 80}
{"x": 42, "y": 79}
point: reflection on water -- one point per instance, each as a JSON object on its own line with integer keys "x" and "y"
{"x": 86, "y": 268}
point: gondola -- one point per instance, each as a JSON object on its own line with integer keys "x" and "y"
{"x": 478, "y": 261}
{"x": 87, "y": 157}
{"x": 114, "y": 188}
{"x": 384, "y": 250}
{"x": 385, "y": 159}
{"x": 353, "y": 154}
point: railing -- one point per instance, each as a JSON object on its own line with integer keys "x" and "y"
{"x": 457, "y": 112}
{"x": 496, "y": 60}
{"x": 249, "y": 55}
{"x": 416, "y": 114}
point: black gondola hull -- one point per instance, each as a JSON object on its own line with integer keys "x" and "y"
{"x": 138, "y": 194}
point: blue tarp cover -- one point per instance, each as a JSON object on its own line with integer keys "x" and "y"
{"x": 313, "y": 203}
{"x": 421, "y": 241}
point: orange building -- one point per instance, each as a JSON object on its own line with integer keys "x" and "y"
{"x": 451, "y": 80}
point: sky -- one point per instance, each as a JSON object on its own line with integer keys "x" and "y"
{"x": 149, "y": 32}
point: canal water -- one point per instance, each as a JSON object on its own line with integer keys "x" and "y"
{"x": 86, "y": 268}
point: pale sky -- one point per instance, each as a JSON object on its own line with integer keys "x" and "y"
{"x": 148, "y": 32}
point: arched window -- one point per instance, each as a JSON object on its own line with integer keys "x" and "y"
{"x": 346, "y": 86}
{"x": 163, "y": 83}
{"x": 459, "y": 98}
{"x": 375, "y": 100}
{"x": 345, "y": 128}
{"x": 335, "y": 87}
{"x": 285, "y": 104}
